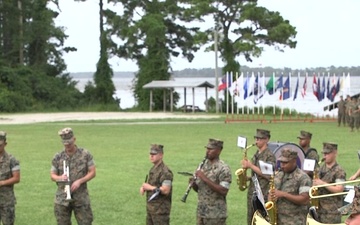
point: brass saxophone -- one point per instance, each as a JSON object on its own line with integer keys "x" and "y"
{"x": 241, "y": 173}
{"x": 270, "y": 206}
{"x": 315, "y": 191}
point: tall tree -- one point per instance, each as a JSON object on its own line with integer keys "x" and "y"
{"x": 152, "y": 33}
{"x": 245, "y": 28}
{"x": 105, "y": 88}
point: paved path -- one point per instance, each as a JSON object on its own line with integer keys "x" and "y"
{"x": 85, "y": 116}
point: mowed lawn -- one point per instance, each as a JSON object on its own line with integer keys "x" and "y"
{"x": 121, "y": 154}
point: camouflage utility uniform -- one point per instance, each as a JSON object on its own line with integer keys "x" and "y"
{"x": 7, "y": 197}
{"x": 212, "y": 205}
{"x": 296, "y": 182}
{"x": 341, "y": 112}
{"x": 158, "y": 209}
{"x": 328, "y": 207}
{"x": 265, "y": 156}
{"x": 78, "y": 168}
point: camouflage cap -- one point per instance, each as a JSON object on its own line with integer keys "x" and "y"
{"x": 156, "y": 149}
{"x": 304, "y": 135}
{"x": 215, "y": 144}
{"x": 288, "y": 154}
{"x": 260, "y": 133}
{"x": 2, "y": 137}
{"x": 66, "y": 135}
{"x": 329, "y": 147}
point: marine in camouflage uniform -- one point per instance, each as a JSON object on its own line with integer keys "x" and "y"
{"x": 310, "y": 153}
{"x": 262, "y": 154}
{"x": 341, "y": 111}
{"x": 81, "y": 170}
{"x": 291, "y": 194}
{"x": 212, "y": 185}
{"x": 347, "y": 109}
{"x": 158, "y": 189}
{"x": 9, "y": 175}
{"x": 353, "y": 113}
{"x": 330, "y": 172}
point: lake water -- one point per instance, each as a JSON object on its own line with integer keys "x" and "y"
{"x": 308, "y": 104}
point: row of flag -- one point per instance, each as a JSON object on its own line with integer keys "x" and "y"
{"x": 323, "y": 86}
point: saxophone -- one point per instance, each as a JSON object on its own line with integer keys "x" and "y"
{"x": 241, "y": 173}
{"x": 270, "y": 206}
{"x": 315, "y": 191}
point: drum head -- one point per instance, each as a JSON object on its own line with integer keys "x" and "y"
{"x": 277, "y": 147}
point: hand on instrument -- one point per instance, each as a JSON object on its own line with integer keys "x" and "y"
{"x": 318, "y": 182}
{"x": 200, "y": 174}
{"x": 274, "y": 195}
{"x": 245, "y": 163}
{"x": 64, "y": 177}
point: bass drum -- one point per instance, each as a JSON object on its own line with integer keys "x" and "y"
{"x": 277, "y": 147}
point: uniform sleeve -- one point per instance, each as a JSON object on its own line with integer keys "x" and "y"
{"x": 225, "y": 177}
{"x": 14, "y": 164}
{"x": 340, "y": 175}
{"x": 166, "y": 178}
{"x": 305, "y": 184}
{"x": 54, "y": 164}
{"x": 90, "y": 159}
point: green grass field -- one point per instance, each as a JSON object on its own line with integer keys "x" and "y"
{"x": 121, "y": 151}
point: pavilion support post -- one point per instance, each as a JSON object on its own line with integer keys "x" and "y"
{"x": 184, "y": 99}
{"x": 171, "y": 99}
{"x": 206, "y": 100}
{"x": 193, "y": 104}
{"x": 151, "y": 100}
{"x": 164, "y": 100}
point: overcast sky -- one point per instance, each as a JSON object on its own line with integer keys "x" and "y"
{"x": 327, "y": 34}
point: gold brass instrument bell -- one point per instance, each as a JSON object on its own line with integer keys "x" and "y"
{"x": 241, "y": 173}
{"x": 315, "y": 201}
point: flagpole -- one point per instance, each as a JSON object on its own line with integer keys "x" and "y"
{"x": 216, "y": 68}
{"x": 274, "y": 82}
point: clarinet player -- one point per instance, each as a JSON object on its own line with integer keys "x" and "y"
{"x": 212, "y": 185}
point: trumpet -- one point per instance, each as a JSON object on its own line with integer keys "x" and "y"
{"x": 241, "y": 173}
{"x": 67, "y": 185}
{"x": 183, "y": 199}
{"x": 313, "y": 188}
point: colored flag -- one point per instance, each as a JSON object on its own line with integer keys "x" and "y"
{"x": 256, "y": 89}
{"x": 246, "y": 87}
{"x": 296, "y": 88}
{"x": 315, "y": 87}
{"x": 262, "y": 87}
{"x": 328, "y": 89}
{"x": 279, "y": 83}
{"x": 303, "y": 90}
{"x": 286, "y": 88}
{"x": 235, "y": 86}
{"x": 322, "y": 88}
{"x": 225, "y": 82}
{"x": 270, "y": 85}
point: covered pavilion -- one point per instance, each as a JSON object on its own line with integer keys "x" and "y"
{"x": 171, "y": 85}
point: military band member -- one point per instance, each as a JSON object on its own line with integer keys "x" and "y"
{"x": 264, "y": 154}
{"x": 330, "y": 172}
{"x": 212, "y": 185}
{"x": 310, "y": 153}
{"x": 291, "y": 193}
{"x": 159, "y": 188}
{"x": 81, "y": 169}
{"x": 9, "y": 176}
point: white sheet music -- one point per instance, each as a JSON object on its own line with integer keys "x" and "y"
{"x": 258, "y": 190}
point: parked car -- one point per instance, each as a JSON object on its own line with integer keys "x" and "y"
{"x": 189, "y": 108}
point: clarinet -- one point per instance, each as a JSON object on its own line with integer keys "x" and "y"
{"x": 183, "y": 199}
